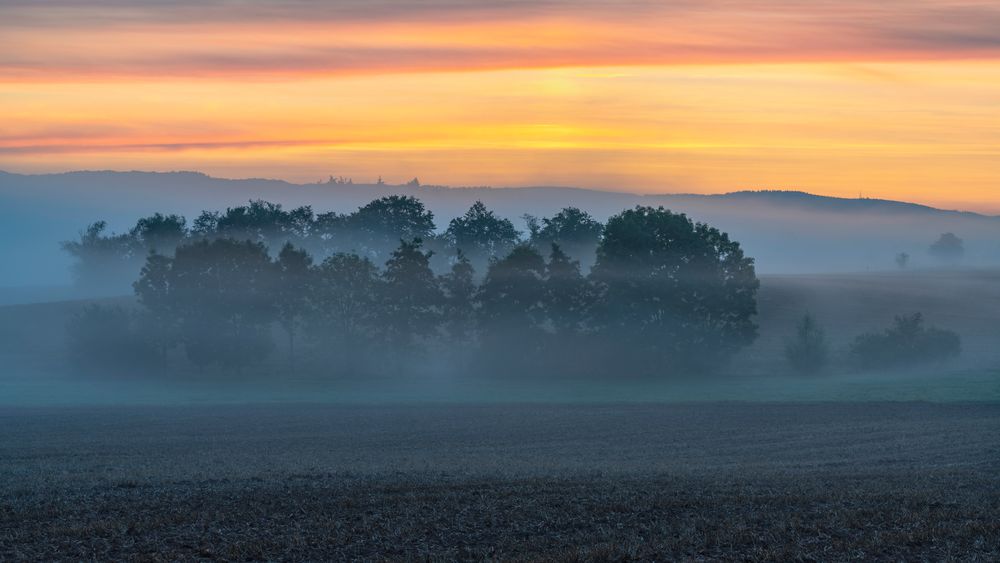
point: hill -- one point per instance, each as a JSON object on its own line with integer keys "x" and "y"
{"x": 788, "y": 232}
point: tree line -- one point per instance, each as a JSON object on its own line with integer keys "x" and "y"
{"x": 380, "y": 290}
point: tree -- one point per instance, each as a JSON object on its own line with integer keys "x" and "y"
{"x": 567, "y": 304}
{"x": 675, "y": 294}
{"x": 264, "y": 222}
{"x": 948, "y": 248}
{"x": 481, "y": 235}
{"x": 160, "y": 233}
{"x": 109, "y": 262}
{"x": 376, "y": 228}
{"x": 575, "y": 231}
{"x": 907, "y": 342}
{"x": 459, "y": 286}
{"x": 565, "y": 300}
{"x": 219, "y": 294}
{"x": 294, "y": 268}
{"x": 511, "y": 307}
{"x": 410, "y": 308}
{"x": 205, "y": 225}
{"x": 330, "y": 234}
{"x": 807, "y": 352}
{"x": 103, "y": 262}
{"x": 902, "y": 260}
{"x": 159, "y": 319}
{"x": 342, "y": 316}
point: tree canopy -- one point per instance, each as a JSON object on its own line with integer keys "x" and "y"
{"x": 677, "y": 294}
{"x": 365, "y": 292}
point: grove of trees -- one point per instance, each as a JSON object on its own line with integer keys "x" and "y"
{"x": 381, "y": 290}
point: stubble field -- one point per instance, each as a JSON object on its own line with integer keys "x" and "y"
{"x": 766, "y": 481}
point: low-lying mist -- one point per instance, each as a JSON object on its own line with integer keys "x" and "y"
{"x": 260, "y": 303}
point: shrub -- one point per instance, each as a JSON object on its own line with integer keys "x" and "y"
{"x": 907, "y": 342}
{"x": 808, "y": 351}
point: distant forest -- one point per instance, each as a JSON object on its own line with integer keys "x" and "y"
{"x": 381, "y": 290}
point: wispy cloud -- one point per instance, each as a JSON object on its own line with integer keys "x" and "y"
{"x": 56, "y": 39}
{"x": 586, "y": 92}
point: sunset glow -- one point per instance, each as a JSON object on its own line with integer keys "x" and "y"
{"x": 891, "y": 99}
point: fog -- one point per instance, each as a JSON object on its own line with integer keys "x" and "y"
{"x": 253, "y": 370}
{"x": 431, "y": 298}
{"x": 785, "y": 232}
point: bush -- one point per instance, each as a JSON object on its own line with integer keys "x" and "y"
{"x": 907, "y": 342}
{"x": 808, "y": 351}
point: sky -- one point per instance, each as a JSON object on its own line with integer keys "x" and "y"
{"x": 895, "y": 99}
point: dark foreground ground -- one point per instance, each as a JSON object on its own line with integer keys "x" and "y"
{"x": 894, "y": 481}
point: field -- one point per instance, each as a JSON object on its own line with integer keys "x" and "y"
{"x": 872, "y": 481}
{"x": 752, "y": 464}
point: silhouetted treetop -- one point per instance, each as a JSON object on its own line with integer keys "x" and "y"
{"x": 665, "y": 294}
{"x": 377, "y": 227}
{"x": 481, "y": 235}
{"x": 683, "y": 291}
{"x": 159, "y": 232}
{"x": 412, "y": 299}
{"x": 575, "y": 231}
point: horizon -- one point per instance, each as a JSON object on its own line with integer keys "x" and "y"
{"x": 331, "y": 180}
{"x": 895, "y": 100}
{"x": 528, "y": 280}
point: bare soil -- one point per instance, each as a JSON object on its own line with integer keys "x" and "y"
{"x": 723, "y": 481}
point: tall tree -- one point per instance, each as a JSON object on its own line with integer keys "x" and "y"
{"x": 294, "y": 268}
{"x": 459, "y": 286}
{"x": 412, "y": 301}
{"x": 565, "y": 299}
{"x": 576, "y": 232}
{"x": 511, "y": 307}
{"x": 220, "y": 293}
{"x": 160, "y": 317}
{"x": 481, "y": 235}
{"x": 342, "y": 315}
{"x": 377, "y": 227}
{"x": 677, "y": 294}
{"x": 330, "y": 234}
{"x": 264, "y": 222}
{"x": 159, "y": 233}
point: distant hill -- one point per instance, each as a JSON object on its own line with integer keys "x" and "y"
{"x": 788, "y": 232}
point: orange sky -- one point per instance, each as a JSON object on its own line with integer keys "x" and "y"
{"x": 891, "y": 99}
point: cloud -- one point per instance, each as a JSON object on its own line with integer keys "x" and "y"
{"x": 57, "y": 39}
{"x": 103, "y": 147}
